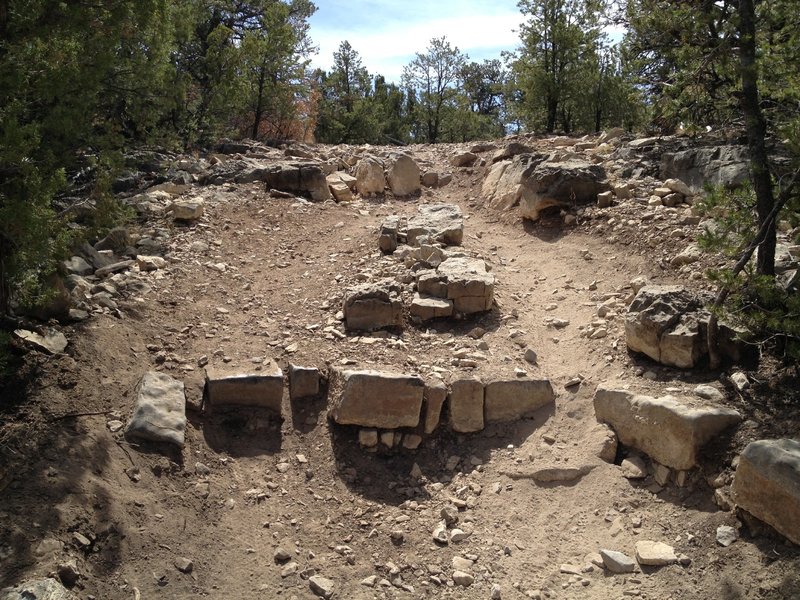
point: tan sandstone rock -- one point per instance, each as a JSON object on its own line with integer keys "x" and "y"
{"x": 670, "y": 430}
{"x": 375, "y": 398}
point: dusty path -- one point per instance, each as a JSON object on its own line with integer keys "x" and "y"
{"x": 261, "y": 278}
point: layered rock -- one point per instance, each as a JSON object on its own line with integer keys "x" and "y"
{"x": 298, "y": 178}
{"x": 670, "y": 430}
{"x": 534, "y": 183}
{"x": 767, "y": 484}
{"x": 374, "y": 305}
{"x": 262, "y": 389}
{"x": 467, "y": 283}
{"x": 669, "y": 324}
{"x": 718, "y": 165}
{"x": 515, "y": 399}
{"x": 375, "y": 398}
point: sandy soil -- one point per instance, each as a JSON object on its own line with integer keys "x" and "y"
{"x": 264, "y": 284}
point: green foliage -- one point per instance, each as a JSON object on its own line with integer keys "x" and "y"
{"x": 767, "y": 307}
{"x": 435, "y": 76}
{"x": 566, "y": 73}
{"x": 82, "y": 79}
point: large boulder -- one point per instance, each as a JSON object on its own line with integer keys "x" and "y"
{"x": 534, "y": 183}
{"x": 469, "y": 285}
{"x": 375, "y": 398}
{"x": 442, "y": 223}
{"x": 767, "y": 484}
{"x": 403, "y": 175}
{"x": 561, "y": 184}
{"x": 374, "y": 305}
{"x": 721, "y": 165}
{"x": 369, "y": 176}
{"x": 298, "y": 178}
{"x": 669, "y": 324}
{"x": 509, "y": 400}
{"x": 160, "y": 411}
{"x": 670, "y": 430}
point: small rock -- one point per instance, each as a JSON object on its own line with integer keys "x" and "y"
{"x": 726, "y": 535}
{"x": 709, "y": 392}
{"x": 184, "y": 565}
{"x": 321, "y": 586}
{"x": 530, "y": 356}
{"x": 655, "y": 553}
{"x": 289, "y": 569}
{"x": 458, "y": 535}
{"x": 633, "y": 467}
{"x": 740, "y": 381}
{"x": 281, "y": 555}
{"x": 450, "y": 514}
{"x": 463, "y": 579}
{"x": 68, "y": 573}
{"x": 370, "y": 581}
{"x": 440, "y": 533}
{"x": 617, "y": 562}
{"x": 461, "y": 564}
{"x": 497, "y": 592}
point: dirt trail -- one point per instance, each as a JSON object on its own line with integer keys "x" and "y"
{"x": 261, "y": 278}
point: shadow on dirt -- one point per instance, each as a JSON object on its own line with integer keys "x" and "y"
{"x": 241, "y": 431}
{"x": 385, "y": 475}
{"x": 38, "y": 479}
{"x": 549, "y": 228}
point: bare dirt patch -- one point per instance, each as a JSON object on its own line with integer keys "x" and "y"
{"x": 261, "y": 278}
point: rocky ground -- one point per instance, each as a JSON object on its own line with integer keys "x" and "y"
{"x": 254, "y": 506}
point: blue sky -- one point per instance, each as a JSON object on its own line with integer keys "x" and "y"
{"x": 387, "y": 33}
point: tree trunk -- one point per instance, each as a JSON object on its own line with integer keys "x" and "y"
{"x": 259, "y": 111}
{"x": 552, "y": 115}
{"x": 756, "y": 132}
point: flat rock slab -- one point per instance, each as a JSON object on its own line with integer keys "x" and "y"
{"x": 617, "y": 562}
{"x": 466, "y": 405}
{"x": 429, "y": 307}
{"x": 52, "y": 342}
{"x": 441, "y": 223}
{"x": 229, "y": 388}
{"x": 767, "y": 484}
{"x": 160, "y": 411}
{"x": 515, "y": 399}
{"x": 37, "y": 589}
{"x": 375, "y": 398}
{"x": 655, "y": 554}
{"x": 373, "y": 306}
{"x": 669, "y": 430}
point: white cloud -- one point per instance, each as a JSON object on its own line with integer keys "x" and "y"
{"x": 391, "y": 44}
